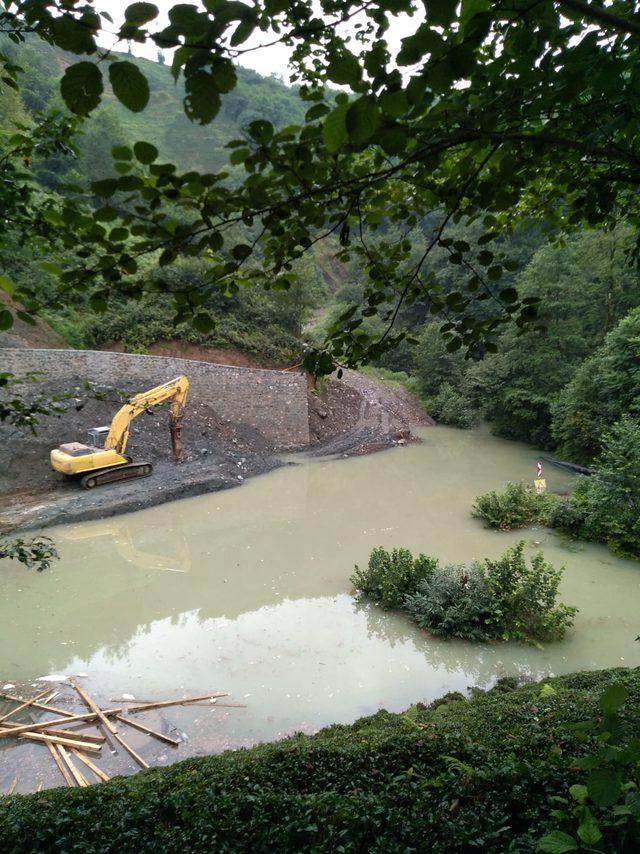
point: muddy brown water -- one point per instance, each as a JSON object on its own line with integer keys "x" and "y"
{"x": 248, "y": 591}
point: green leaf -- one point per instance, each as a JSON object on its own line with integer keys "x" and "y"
{"x": 334, "y": 129}
{"x": 104, "y": 188}
{"x": 50, "y": 267}
{"x": 578, "y": 792}
{"x": 203, "y": 322}
{"x": 145, "y": 152}
{"x": 588, "y": 830}
{"x": 557, "y": 842}
{"x": 141, "y": 13}
{"x": 394, "y": 104}
{"x": 362, "y": 120}
{"x": 121, "y": 152}
{"x": 604, "y": 787}
{"x": 239, "y": 156}
{"x": 202, "y": 100}
{"x": 81, "y": 87}
{"x": 612, "y": 698}
{"x": 261, "y": 131}
{"x": 423, "y": 41}
{"x": 441, "y": 12}
{"x": 129, "y": 85}
{"x": 241, "y": 251}
{"x": 547, "y": 690}
{"x": 509, "y": 295}
{"x": 393, "y": 140}
{"x": 6, "y": 284}
{"x": 6, "y": 319}
{"x": 344, "y": 69}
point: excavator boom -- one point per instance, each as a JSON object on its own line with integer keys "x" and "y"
{"x": 175, "y": 389}
{"x": 109, "y": 463}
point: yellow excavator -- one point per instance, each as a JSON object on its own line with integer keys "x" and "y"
{"x": 103, "y": 459}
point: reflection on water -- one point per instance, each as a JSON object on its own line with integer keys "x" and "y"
{"x": 257, "y": 601}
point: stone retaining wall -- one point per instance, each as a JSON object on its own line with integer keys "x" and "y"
{"x": 271, "y": 402}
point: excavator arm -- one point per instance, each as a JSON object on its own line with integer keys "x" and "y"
{"x": 174, "y": 390}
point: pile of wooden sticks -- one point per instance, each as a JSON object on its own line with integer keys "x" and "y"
{"x": 68, "y": 744}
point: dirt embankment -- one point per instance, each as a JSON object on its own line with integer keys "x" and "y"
{"x": 352, "y": 416}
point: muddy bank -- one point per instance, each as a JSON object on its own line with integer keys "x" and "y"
{"x": 354, "y": 416}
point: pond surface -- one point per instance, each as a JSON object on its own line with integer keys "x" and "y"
{"x": 247, "y": 591}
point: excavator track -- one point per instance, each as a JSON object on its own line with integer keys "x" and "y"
{"x": 115, "y": 474}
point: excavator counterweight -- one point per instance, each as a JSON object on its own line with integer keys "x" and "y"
{"x": 103, "y": 459}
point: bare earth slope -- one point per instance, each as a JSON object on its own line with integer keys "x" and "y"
{"x": 355, "y": 415}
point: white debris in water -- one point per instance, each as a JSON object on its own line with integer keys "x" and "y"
{"x": 82, "y": 675}
{"x": 128, "y": 697}
{"x": 8, "y": 686}
{"x": 54, "y": 677}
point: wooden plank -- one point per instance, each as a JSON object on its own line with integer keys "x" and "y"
{"x": 78, "y": 777}
{"x": 131, "y": 751}
{"x": 40, "y": 725}
{"x": 142, "y": 707}
{"x": 88, "y": 701}
{"x": 100, "y": 774}
{"x": 174, "y": 741}
{"x": 42, "y": 706}
{"x": 64, "y": 733}
{"x": 11, "y": 788}
{"x": 25, "y": 705}
{"x": 61, "y": 766}
{"x": 55, "y": 739}
{"x": 74, "y": 734}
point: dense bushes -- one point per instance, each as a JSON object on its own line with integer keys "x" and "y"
{"x": 606, "y": 506}
{"x": 604, "y": 388}
{"x": 504, "y": 599}
{"x": 488, "y": 774}
{"x": 516, "y": 507}
{"x": 392, "y": 576}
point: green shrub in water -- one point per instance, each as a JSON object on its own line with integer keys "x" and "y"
{"x": 606, "y": 506}
{"x": 516, "y": 507}
{"x": 504, "y": 599}
{"x": 391, "y": 576}
{"x": 454, "y": 602}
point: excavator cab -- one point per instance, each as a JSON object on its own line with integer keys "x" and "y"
{"x": 103, "y": 459}
{"x": 97, "y": 436}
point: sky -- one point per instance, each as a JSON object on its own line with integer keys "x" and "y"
{"x": 272, "y": 60}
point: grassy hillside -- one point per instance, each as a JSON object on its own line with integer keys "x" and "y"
{"x": 265, "y": 325}
{"x": 163, "y": 122}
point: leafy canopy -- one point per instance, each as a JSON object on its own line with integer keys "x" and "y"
{"x": 488, "y": 112}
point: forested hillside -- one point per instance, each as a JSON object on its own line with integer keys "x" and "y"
{"x": 262, "y": 324}
{"x": 533, "y": 384}
{"x": 559, "y": 385}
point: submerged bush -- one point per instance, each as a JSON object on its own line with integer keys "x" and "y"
{"x": 391, "y": 576}
{"x": 503, "y": 599}
{"x": 523, "y": 597}
{"x": 454, "y": 602}
{"x": 516, "y": 507}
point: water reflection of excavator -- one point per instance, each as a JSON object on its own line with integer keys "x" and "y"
{"x": 99, "y": 462}
{"x": 119, "y": 531}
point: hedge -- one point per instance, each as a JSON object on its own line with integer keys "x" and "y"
{"x": 459, "y": 775}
